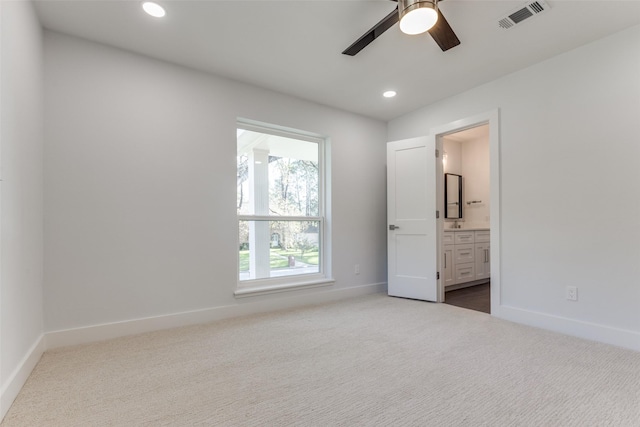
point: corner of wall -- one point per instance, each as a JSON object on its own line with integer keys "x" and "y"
{"x": 21, "y": 241}
{"x": 12, "y": 386}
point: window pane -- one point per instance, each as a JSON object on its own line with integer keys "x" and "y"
{"x": 277, "y": 175}
{"x": 278, "y": 248}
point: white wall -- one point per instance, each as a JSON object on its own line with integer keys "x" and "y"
{"x": 21, "y": 232}
{"x": 475, "y": 172}
{"x": 470, "y": 158}
{"x": 453, "y": 150}
{"x": 570, "y": 181}
{"x": 140, "y": 183}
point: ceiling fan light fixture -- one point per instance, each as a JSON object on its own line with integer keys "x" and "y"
{"x": 417, "y": 16}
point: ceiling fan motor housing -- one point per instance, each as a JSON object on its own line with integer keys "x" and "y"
{"x": 406, "y": 6}
{"x": 417, "y": 16}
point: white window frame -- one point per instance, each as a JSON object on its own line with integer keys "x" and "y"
{"x": 292, "y": 282}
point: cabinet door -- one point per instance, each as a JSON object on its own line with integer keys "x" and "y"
{"x": 449, "y": 266}
{"x": 483, "y": 265}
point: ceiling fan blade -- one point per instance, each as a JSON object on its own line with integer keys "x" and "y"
{"x": 443, "y": 34}
{"x": 375, "y": 32}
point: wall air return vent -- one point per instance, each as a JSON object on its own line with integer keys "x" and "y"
{"x": 523, "y": 13}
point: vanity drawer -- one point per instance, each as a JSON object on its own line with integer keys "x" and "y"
{"x": 447, "y": 238}
{"x": 463, "y": 253}
{"x": 465, "y": 273}
{"x": 483, "y": 236}
{"x": 463, "y": 237}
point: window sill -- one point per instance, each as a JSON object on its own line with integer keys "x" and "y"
{"x": 273, "y": 289}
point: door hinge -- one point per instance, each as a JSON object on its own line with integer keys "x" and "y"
{"x": 437, "y": 214}
{"x": 437, "y": 153}
{"x": 438, "y": 275}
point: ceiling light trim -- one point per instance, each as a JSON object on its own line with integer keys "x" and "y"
{"x": 153, "y": 9}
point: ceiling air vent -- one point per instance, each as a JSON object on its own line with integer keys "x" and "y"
{"x": 522, "y": 13}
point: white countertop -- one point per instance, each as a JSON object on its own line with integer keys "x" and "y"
{"x": 468, "y": 229}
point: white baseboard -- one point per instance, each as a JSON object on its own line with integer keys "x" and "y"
{"x": 106, "y": 331}
{"x": 590, "y": 331}
{"x": 18, "y": 377}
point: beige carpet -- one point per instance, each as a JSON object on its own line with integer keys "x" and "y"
{"x": 371, "y": 361}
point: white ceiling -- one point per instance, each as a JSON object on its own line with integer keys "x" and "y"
{"x": 469, "y": 135}
{"x": 294, "y": 46}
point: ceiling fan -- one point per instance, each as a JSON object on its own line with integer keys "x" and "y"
{"x": 407, "y": 12}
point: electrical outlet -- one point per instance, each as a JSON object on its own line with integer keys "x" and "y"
{"x": 572, "y": 293}
{"x": 356, "y": 269}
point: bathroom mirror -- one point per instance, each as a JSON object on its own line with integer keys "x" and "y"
{"x": 452, "y": 195}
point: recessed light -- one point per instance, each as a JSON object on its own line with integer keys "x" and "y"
{"x": 153, "y": 9}
{"x": 389, "y": 94}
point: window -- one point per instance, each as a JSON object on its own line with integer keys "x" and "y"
{"x": 280, "y": 205}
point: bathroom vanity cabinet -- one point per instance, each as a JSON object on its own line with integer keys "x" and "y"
{"x": 466, "y": 257}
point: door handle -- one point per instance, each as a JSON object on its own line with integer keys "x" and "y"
{"x": 393, "y": 227}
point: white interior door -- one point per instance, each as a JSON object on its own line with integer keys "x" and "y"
{"x": 411, "y": 215}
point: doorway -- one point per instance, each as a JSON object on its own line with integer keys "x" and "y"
{"x": 469, "y": 235}
{"x": 417, "y": 265}
{"x": 466, "y": 225}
